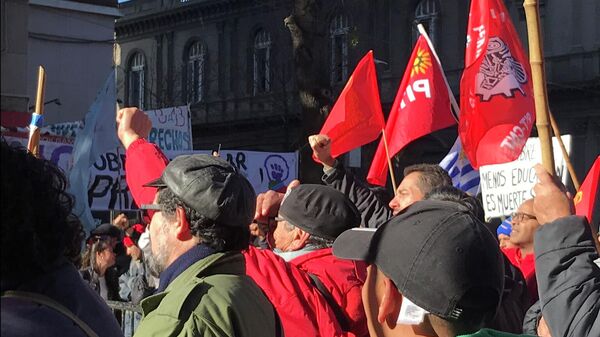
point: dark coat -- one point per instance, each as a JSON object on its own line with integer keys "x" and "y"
{"x": 568, "y": 279}
{"x": 21, "y": 317}
{"x": 112, "y": 282}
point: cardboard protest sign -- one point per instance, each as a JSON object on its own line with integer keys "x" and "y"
{"x": 505, "y": 186}
{"x": 171, "y": 128}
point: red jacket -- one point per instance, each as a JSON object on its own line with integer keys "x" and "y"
{"x": 144, "y": 162}
{"x": 343, "y": 280}
{"x": 302, "y": 309}
{"x": 526, "y": 265}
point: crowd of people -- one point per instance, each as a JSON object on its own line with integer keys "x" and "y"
{"x": 336, "y": 259}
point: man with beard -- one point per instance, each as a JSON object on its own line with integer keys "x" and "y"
{"x": 200, "y": 211}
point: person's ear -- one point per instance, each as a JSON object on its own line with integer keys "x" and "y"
{"x": 183, "y": 225}
{"x": 389, "y": 306}
{"x": 300, "y": 239}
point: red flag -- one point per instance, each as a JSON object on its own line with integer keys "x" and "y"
{"x": 586, "y": 199}
{"x": 356, "y": 118}
{"x": 422, "y": 106}
{"x": 496, "y": 97}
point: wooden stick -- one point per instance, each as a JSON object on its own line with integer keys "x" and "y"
{"x": 34, "y": 131}
{"x": 452, "y": 98}
{"x": 536, "y": 58}
{"x": 387, "y": 154}
{"x": 556, "y": 132}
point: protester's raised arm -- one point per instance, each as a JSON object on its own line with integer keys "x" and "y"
{"x": 551, "y": 201}
{"x": 321, "y": 146}
{"x": 144, "y": 161}
{"x": 133, "y": 124}
{"x": 568, "y": 280}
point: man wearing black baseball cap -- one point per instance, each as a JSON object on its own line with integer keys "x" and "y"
{"x": 434, "y": 270}
{"x": 201, "y": 211}
{"x": 310, "y": 218}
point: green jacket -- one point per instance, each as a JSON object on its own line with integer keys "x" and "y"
{"x": 493, "y": 333}
{"x": 213, "y": 297}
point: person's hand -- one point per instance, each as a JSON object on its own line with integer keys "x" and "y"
{"x": 268, "y": 203}
{"x": 121, "y": 221}
{"x": 551, "y": 201}
{"x": 132, "y": 124}
{"x": 321, "y": 146}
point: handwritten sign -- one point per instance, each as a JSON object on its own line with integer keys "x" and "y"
{"x": 504, "y": 187}
{"x": 171, "y": 128}
{"x": 265, "y": 170}
{"x": 108, "y": 185}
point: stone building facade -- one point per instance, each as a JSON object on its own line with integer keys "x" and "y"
{"x": 73, "y": 40}
{"x": 232, "y": 61}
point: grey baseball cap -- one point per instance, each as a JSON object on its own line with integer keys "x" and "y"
{"x": 210, "y": 186}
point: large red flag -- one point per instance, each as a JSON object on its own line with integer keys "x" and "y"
{"x": 356, "y": 118}
{"x": 586, "y": 199}
{"x": 422, "y": 106}
{"x": 496, "y": 95}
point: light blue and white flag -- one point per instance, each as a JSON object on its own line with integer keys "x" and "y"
{"x": 464, "y": 177}
{"x": 97, "y": 137}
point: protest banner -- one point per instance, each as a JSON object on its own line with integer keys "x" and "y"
{"x": 56, "y": 149}
{"x": 265, "y": 170}
{"x": 505, "y": 186}
{"x": 171, "y": 128}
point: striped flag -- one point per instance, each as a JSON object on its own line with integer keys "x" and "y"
{"x": 464, "y": 176}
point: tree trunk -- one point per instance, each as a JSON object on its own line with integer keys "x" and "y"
{"x": 308, "y": 38}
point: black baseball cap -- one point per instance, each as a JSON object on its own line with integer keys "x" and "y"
{"x": 210, "y": 186}
{"x": 438, "y": 255}
{"x": 319, "y": 210}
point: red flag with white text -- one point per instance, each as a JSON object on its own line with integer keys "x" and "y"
{"x": 356, "y": 117}
{"x": 421, "y": 106}
{"x": 496, "y": 97}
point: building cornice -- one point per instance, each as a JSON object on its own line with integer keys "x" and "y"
{"x": 78, "y": 7}
{"x": 187, "y": 13}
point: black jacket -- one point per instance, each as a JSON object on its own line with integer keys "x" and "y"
{"x": 568, "y": 279}
{"x": 112, "y": 282}
{"x": 373, "y": 209}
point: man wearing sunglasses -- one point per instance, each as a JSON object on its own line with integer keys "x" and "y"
{"x": 524, "y": 224}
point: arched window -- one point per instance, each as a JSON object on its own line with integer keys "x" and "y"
{"x": 196, "y": 57}
{"x": 262, "y": 62}
{"x": 136, "y": 83}
{"x": 338, "y": 32}
{"x": 427, "y": 14}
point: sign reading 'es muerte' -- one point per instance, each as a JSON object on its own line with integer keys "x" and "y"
{"x": 505, "y": 186}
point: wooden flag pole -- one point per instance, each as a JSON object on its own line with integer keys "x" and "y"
{"x": 36, "y": 117}
{"x": 536, "y": 59}
{"x": 452, "y": 98}
{"x": 389, "y": 160}
{"x": 556, "y": 132}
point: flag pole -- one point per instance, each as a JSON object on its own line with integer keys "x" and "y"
{"x": 37, "y": 117}
{"x": 450, "y": 94}
{"x": 536, "y": 59}
{"x": 389, "y": 160}
{"x": 556, "y": 132}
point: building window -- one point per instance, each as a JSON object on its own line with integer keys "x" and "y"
{"x": 136, "y": 83}
{"x": 196, "y": 57}
{"x": 262, "y": 62}
{"x": 338, "y": 31}
{"x": 427, "y": 14}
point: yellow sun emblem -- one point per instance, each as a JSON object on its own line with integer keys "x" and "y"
{"x": 421, "y": 63}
